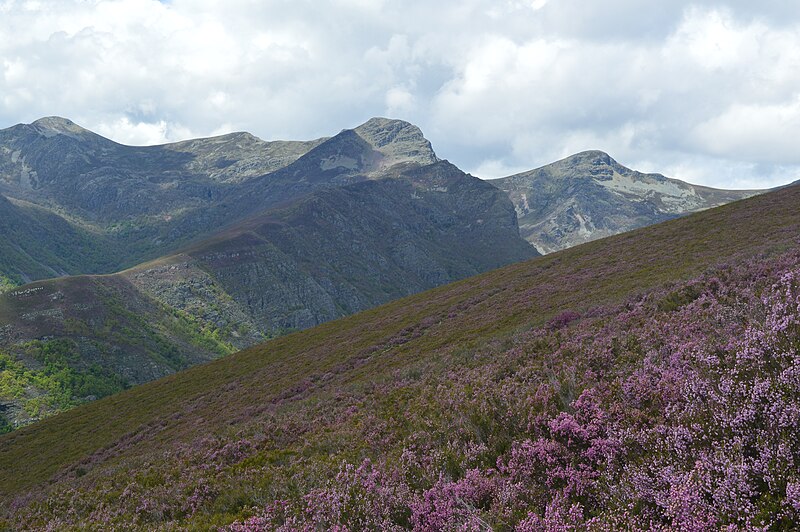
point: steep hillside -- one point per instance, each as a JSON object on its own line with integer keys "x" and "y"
{"x": 645, "y": 381}
{"x": 327, "y": 255}
{"x": 590, "y": 195}
{"x": 352, "y": 247}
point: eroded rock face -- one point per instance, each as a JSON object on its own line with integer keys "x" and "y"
{"x": 590, "y": 195}
{"x": 349, "y": 248}
{"x": 181, "y": 285}
{"x": 398, "y": 141}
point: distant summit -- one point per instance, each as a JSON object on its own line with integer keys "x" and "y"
{"x": 398, "y": 140}
{"x": 50, "y": 126}
{"x": 589, "y": 195}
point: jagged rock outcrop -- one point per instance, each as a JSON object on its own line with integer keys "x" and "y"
{"x": 397, "y": 140}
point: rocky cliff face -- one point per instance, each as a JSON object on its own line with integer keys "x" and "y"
{"x": 397, "y": 141}
{"x": 350, "y": 248}
{"x": 590, "y": 195}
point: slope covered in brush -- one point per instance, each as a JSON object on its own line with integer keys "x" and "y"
{"x": 35, "y": 243}
{"x": 649, "y": 379}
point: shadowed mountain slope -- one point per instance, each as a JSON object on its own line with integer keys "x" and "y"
{"x": 589, "y": 195}
{"x": 321, "y": 257}
{"x": 274, "y": 421}
{"x": 35, "y": 243}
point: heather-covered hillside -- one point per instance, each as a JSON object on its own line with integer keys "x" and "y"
{"x": 648, "y": 381}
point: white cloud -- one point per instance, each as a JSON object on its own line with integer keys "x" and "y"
{"x": 495, "y": 168}
{"x": 124, "y": 131}
{"x": 706, "y": 88}
{"x": 760, "y": 133}
{"x": 688, "y": 97}
{"x": 714, "y": 41}
{"x": 399, "y": 102}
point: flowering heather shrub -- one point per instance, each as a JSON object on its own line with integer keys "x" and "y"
{"x": 563, "y": 319}
{"x": 677, "y": 410}
{"x": 454, "y": 505}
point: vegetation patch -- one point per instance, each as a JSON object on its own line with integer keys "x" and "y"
{"x": 57, "y": 383}
{"x": 6, "y": 283}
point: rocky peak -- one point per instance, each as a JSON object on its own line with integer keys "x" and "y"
{"x": 241, "y": 136}
{"x": 238, "y": 137}
{"x": 398, "y": 140}
{"x": 594, "y": 157}
{"x": 51, "y": 126}
{"x": 589, "y": 195}
{"x": 589, "y": 164}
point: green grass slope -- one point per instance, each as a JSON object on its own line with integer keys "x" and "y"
{"x": 420, "y": 337}
{"x": 57, "y": 335}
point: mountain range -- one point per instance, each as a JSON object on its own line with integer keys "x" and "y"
{"x": 262, "y": 239}
{"x": 142, "y": 202}
{"x": 142, "y": 261}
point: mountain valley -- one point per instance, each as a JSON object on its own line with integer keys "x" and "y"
{"x": 347, "y": 226}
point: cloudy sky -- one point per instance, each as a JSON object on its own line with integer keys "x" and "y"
{"x": 706, "y": 91}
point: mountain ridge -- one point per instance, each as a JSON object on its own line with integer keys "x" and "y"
{"x": 197, "y": 181}
{"x": 148, "y": 201}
